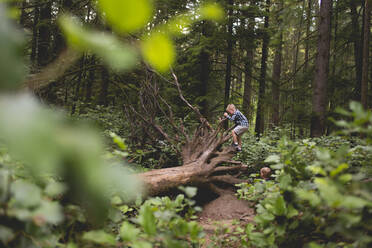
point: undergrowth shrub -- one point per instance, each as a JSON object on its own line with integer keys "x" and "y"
{"x": 320, "y": 193}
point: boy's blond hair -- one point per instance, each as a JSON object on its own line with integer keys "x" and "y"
{"x": 231, "y": 107}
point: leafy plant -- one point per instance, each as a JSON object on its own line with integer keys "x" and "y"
{"x": 320, "y": 195}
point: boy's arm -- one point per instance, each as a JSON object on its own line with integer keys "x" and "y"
{"x": 232, "y": 118}
{"x": 228, "y": 116}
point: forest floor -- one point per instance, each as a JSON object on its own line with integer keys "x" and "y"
{"x": 222, "y": 216}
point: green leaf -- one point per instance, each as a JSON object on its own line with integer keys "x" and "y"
{"x": 116, "y": 200}
{"x": 310, "y": 196}
{"x": 100, "y": 237}
{"x": 285, "y": 181}
{"x": 159, "y": 51}
{"x": 51, "y": 212}
{"x": 12, "y": 66}
{"x": 339, "y": 169}
{"x": 129, "y": 232}
{"x": 280, "y": 208}
{"x": 126, "y": 15}
{"x": 118, "y": 55}
{"x": 272, "y": 159}
{"x": 147, "y": 220}
{"x": 212, "y": 11}
{"x": 118, "y": 140}
{"x": 26, "y": 194}
{"x": 141, "y": 244}
{"x": 55, "y": 188}
{"x": 189, "y": 191}
{"x": 292, "y": 211}
{"x": 6, "y": 234}
{"x": 353, "y": 202}
{"x": 329, "y": 192}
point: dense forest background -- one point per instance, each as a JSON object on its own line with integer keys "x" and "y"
{"x": 124, "y": 96}
{"x": 261, "y": 58}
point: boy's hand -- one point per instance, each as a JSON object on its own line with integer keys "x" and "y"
{"x": 225, "y": 114}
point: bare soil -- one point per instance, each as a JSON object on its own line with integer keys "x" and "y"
{"x": 224, "y": 213}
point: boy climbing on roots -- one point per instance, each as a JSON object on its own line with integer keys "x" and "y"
{"x": 241, "y": 125}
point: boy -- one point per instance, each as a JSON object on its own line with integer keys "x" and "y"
{"x": 241, "y": 125}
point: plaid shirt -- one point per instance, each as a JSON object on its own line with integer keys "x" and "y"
{"x": 239, "y": 119}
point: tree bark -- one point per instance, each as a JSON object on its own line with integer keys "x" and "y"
{"x": 229, "y": 53}
{"x": 104, "y": 87}
{"x": 60, "y": 43}
{"x": 319, "y": 99}
{"x": 276, "y": 81}
{"x": 204, "y": 70}
{"x": 202, "y": 153}
{"x": 307, "y": 42}
{"x": 35, "y": 35}
{"x": 358, "y": 49}
{"x": 43, "y": 54}
{"x": 260, "y": 117}
{"x": 91, "y": 76}
{"x": 201, "y": 156}
{"x": 248, "y": 67}
{"x": 364, "y": 88}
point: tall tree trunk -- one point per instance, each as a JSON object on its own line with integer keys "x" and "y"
{"x": 22, "y": 18}
{"x": 91, "y": 76}
{"x": 104, "y": 87}
{"x": 35, "y": 35}
{"x": 78, "y": 84}
{"x": 60, "y": 43}
{"x": 229, "y": 53}
{"x": 276, "y": 81}
{"x": 296, "y": 49}
{"x": 248, "y": 68}
{"x": 308, "y": 25}
{"x": 367, "y": 19}
{"x": 204, "y": 70}
{"x": 333, "y": 71}
{"x": 358, "y": 49}
{"x": 259, "y": 128}
{"x": 43, "y": 54}
{"x": 319, "y": 100}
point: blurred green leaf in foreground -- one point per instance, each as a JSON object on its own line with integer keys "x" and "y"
{"x": 51, "y": 146}
{"x": 12, "y": 67}
{"x": 126, "y": 17}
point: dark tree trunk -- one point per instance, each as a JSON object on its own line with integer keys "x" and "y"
{"x": 202, "y": 152}
{"x": 91, "y": 76}
{"x": 319, "y": 101}
{"x": 358, "y": 49}
{"x": 333, "y": 71}
{"x": 43, "y": 54}
{"x": 248, "y": 68}
{"x": 22, "y": 18}
{"x": 276, "y": 81}
{"x": 78, "y": 85}
{"x": 229, "y": 53}
{"x": 60, "y": 42}
{"x": 308, "y": 25}
{"x": 260, "y": 117}
{"x": 204, "y": 70}
{"x": 35, "y": 35}
{"x": 364, "y": 88}
{"x": 104, "y": 87}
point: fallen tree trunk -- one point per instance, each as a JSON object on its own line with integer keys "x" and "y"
{"x": 205, "y": 160}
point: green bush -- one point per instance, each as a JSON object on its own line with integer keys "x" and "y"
{"x": 320, "y": 193}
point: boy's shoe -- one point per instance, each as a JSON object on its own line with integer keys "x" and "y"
{"x": 235, "y": 144}
{"x": 238, "y": 149}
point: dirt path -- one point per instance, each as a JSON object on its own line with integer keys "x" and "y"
{"x": 223, "y": 214}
